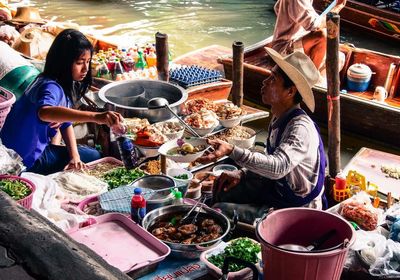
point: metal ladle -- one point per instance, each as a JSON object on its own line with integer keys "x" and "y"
{"x": 159, "y": 102}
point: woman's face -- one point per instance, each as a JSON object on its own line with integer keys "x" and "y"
{"x": 80, "y": 67}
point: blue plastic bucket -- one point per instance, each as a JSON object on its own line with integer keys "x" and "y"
{"x": 357, "y": 84}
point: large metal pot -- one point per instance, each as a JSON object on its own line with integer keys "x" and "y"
{"x": 130, "y": 98}
{"x": 189, "y": 251}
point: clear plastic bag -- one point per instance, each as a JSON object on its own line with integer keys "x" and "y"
{"x": 10, "y": 161}
{"x": 388, "y": 265}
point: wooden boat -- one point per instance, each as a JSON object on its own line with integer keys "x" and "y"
{"x": 375, "y": 17}
{"x": 359, "y": 113}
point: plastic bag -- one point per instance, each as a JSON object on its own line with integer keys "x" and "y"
{"x": 360, "y": 210}
{"x": 10, "y": 161}
{"x": 388, "y": 265}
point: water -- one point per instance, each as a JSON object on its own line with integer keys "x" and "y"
{"x": 190, "y": 25}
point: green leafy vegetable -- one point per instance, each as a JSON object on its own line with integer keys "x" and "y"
{"x": 242, "y": 248}
{"x": 15, "y": 188}
{"x": 121, "y": 176}
{"x": 182, "y": 176}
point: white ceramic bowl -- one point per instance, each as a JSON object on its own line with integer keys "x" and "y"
{"x": 244, "y": 143}
{"x": 229, "y": 123}
{"x": 174, "y": 135}
{"x": 218, "y": 169}
{"x": 183, "y": 158}
{"x": 172, "y": 172}
{"x": 148, "y": 152}
{"x": 204, "y": 131}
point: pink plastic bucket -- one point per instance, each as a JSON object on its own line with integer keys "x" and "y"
{"x": 6, "y": 100}
{"x": 302, "y": 226}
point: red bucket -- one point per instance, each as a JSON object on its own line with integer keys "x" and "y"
{"x": 302, "y": 226}
{"x": 26, "y": 201}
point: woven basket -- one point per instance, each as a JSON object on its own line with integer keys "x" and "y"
{"x": 26, "y": 202}
{"x": 6, "y": 100}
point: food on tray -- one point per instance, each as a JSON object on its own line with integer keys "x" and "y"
{"x": 120, "y": 176}
{"x": 133, "y": 125}
{"x": 228, "y": 111}
{"x": 99, "y": 169}
{"x": 185, "y": 149}
{"x": 202, "y": 119}
{"x": 196, "y": 105}
{"x": 237, "y": 133}
{"x": 77, "y": 185}
{"x": 152, "y": 167}
{"x": 359, "y": 213}
{"x": 172, "y": 230}
{"x": 391, "y": 171}
{"x": 15, "y": 188}
{"x": 242, "y": 248}
{"x": 168, "y": 127}
{"x": 150, "y": 136}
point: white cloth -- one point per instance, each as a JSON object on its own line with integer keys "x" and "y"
{"x": 10, "y": 59}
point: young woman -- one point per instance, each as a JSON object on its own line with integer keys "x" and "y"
{"x": 46, "y": 107}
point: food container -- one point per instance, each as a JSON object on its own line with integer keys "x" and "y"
{"x": 220, "y": 168}
{"x": 189, "y": 251}
{"x": 172, "y": 172}
{"x": 110, "y": 160}
{"x": 194, "y": 190}
{"x": 148, "y": 152}
{"x": 242, "y": 274}
{"x": 166, "y": 147}
{"x": 171, "y": 135}
{"x": 132, "y": 247}
{"x": 207, "y": 184}
{"x": 204, "y": 131}
{"x": 229, "y": 123}
{"x": 358, "y": 77}
{"x": 244, "y": 143}
{"x": 96, "y": 211}
{"x": 26, "y": 202}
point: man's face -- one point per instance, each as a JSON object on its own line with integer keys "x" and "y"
{"x": 273, "y": 89}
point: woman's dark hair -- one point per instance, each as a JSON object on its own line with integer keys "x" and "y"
{"x": 287, "y": 83}
{"x": 67, "y": 47}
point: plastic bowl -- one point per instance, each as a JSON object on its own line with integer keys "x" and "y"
{"x": 148, "y": 152}
{"x": 244, "y": 143}
{"x": 229, "y": 123}
{"x": 220, "y": 168}
{"x": 26, "y": 202}
{"x": 172, "y": 172}
{"x": 166, "y": 147}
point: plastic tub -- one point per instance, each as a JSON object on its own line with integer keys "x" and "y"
{"x": 26, "y": 202}
{"x": 302, "y": 226}
{"x": 357, "y": 84}
{"x": 7, "y": 99}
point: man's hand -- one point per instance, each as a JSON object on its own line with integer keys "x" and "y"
{"x": 222, "y": 148}
{"x": 228, "y": 180}
{"x": 339, "y": 6}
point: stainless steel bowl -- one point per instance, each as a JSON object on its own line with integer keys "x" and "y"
{"x": 130, "y": 98}
{"x": 188, "y": 251}
{"x": 156, "y": 182}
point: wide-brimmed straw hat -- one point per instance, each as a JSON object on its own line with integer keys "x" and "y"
{"x": 301, "y": 70}
{"x": 27, "y": 15}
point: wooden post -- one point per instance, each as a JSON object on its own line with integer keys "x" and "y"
{"x": 333, "y": 95}
{"x": 237, "y": 73}
{"x": 163, "y": 164}
{"x": 162, "y": 56}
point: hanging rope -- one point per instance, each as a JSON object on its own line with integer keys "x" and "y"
{"x": 330, "y": 105}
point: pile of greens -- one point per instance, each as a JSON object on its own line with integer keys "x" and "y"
{"x": 120, "y": 176}
{"x": 241, "y": 248}
{"x": 182, "y": 176}
{"x": 15, "y": 188}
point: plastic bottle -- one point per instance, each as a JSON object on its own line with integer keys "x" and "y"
{"x": 178, "y": 200}
{"x": 141, "y": 63}
{"x": 111, "y": 62}
{"x": 151, "y": 58}
{"x": 127, "y": 151}
{"x": 128, "y": 62}
{"x": 103, "y": 71}
{"x": 138, "y": 206}
{"x": 118, "y": 70}
{"x": 340, "y": 181}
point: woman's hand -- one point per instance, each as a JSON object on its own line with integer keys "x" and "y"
{"x": 228, "y": 180}
{"x": 222, "y": 148}
{"x": 109, "y": 118}
{"x": 76, "y": 164}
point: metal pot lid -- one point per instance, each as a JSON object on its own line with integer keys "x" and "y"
{"x": 359, "y": 70}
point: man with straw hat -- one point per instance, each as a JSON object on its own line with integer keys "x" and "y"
{"x": 291, "y": 173}
{"x": 26, "y": 15}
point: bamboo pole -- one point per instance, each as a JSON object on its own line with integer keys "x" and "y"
{"x": 237, "y": 73}
{"x": 162, "y": 56}
{"x": 333, "y": 94}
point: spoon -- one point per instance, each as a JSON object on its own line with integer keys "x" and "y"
{"x": 159, "y": 102}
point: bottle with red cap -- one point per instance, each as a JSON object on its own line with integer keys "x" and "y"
{"x": 138, "y": 206}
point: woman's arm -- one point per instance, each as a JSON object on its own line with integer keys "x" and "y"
{"x": 75, "y": 162}
{"x": 63, "y": 114}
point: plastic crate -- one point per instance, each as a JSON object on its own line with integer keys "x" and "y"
{"x": 189, "y": 76}
{"x": 26, "y": 202}
{"x": 7, "y": 99}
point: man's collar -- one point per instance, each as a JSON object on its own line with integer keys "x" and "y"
{"x": 277, "y": 121}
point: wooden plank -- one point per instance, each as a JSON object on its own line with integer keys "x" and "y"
{"x": 368, "y": 162}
